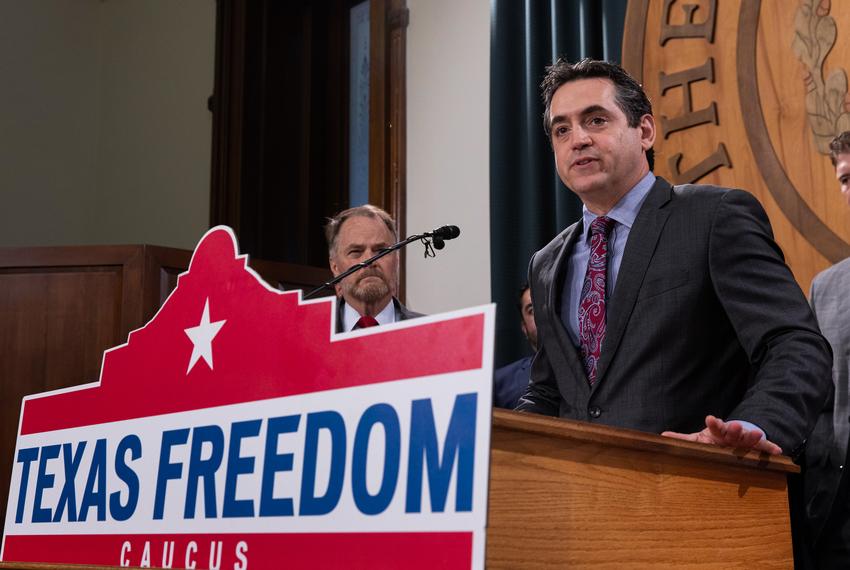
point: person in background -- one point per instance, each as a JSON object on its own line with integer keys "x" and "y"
{"x": 828, "y": 502}
{"x": 511, "y": 380}
{"x": 367, "y": 297}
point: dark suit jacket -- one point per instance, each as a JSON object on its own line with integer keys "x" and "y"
{"x": 705, "y": 318}
{"x": 510, "y": 382}
{"x": 402, "y": 313}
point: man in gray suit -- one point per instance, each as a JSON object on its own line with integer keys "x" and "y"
{"x": 827, "y": 483}
{"x": 367, "y": 297}
{"x": 664, "y": 309}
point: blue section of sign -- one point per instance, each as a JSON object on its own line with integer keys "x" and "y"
{"x": 424, "y": 452}
{"x": 167, "y": 470}
{"x": 119, "y": 511}
{"x": 95, "y": 493}
{"x": 26, "y": 456}
{"x": 43, "y": 481}
{"x": 385, "y": 415}
{"x": 310, "y": 504}
{"x": 68, "y": 498}
{"x": 203, "y": 469}
{"x": 273, "y": 463}
{"x": 237, "y": 464}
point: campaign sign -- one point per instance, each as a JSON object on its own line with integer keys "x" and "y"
{"x": 236, "y": 430}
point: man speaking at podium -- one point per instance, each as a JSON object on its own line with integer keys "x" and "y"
{"x": 366, "y": 297}
{"x": 665, "y": 308}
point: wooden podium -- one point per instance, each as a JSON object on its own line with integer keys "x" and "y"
{"x": 567, "y": 494}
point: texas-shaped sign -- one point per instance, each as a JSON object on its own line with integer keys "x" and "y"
{"x": 237, "y": 430}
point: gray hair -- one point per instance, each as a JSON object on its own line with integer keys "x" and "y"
{"x": 367, "y": 211}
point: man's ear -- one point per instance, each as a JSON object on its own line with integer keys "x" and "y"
{"x": 334, "y": 267}
{"x": 647, "y": 131}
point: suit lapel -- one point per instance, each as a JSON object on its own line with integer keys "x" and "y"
{"x": 556, "y": 277}
{"x": 402, "y": 313}
{"x": 340, "y": 311}
{"x": 643, "y": 239}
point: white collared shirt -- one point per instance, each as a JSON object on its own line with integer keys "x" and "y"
{"x": 350, "y": 316}
{"x": 624, "y": 214}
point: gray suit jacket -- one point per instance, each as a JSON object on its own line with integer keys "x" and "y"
{"x": 830, "y": 299}
{"x": 402, "y": 313}
{"x": 705, "y": 318}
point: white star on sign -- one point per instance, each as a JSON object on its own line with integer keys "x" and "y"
{"x": 202, "y": 337}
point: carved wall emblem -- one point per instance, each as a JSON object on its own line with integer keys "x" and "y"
{"x": 827, "y": 103}
{"x": 748, "y": 94}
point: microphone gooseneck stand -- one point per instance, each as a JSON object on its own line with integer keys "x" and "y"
{"x": 438, "y": 236}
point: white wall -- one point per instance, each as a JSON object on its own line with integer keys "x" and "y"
{"x": 105, "y": 132}
{"x": 154, "y": 176}
{"x": 49, "y": 120}
{"x": 448, "y": 118}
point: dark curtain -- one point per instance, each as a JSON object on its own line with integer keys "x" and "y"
{"x": 528, "y": 203}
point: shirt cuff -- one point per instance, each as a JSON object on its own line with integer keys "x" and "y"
{"x": 750, "y": 426}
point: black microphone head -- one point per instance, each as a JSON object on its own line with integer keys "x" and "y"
{"x": 446, "y": 232}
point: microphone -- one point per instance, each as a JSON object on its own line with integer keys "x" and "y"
{"x": 443, "y": 233}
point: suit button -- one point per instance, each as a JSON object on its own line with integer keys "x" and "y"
{"x": 594, "y": 411}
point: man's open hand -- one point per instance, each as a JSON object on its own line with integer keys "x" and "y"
{"x": 729, "y": 434}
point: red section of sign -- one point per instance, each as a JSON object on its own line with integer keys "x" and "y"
{"x": 269, "y": 346}
{"x": 377, "y": 550}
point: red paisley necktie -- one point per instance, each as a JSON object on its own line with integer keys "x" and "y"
{"x": 591, "y": 309}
